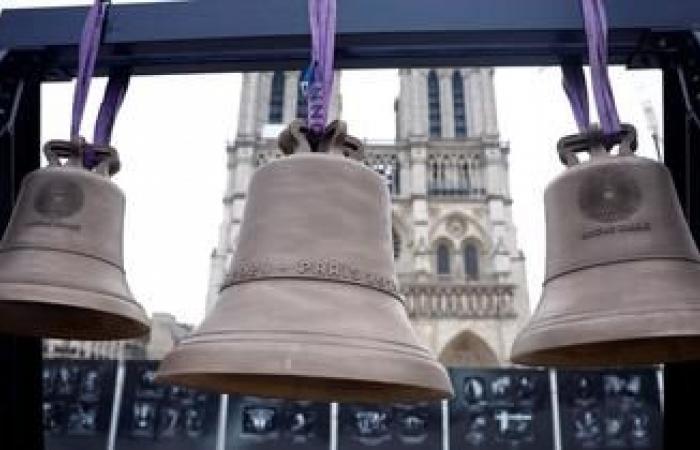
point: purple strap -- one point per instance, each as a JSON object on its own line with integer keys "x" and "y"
{"x": 114, "y": 92}
{"x": 89, "y": 45}
{"x": 595, "y": 22}
{"x": 574, "y": 82}
{"x": 111, "y": 103}
{"x": 322, "y": 19}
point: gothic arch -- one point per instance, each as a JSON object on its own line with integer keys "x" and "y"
{"x": 438, "y": 231}
{"x": 444, "y": 250}
{"x": 466, "y": 349}
{"x": 472, "y": 252}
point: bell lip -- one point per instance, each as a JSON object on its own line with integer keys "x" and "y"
{"x": 649, "y": 350}
{"x": 62, "y": 312}
{"x": 638, "y": 332}
{"x": 346, "y": 390}
{"x": 293, "y": 373}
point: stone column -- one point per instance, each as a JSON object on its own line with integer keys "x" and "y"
{"x": 489, "y": 101}
{"x": 447, "y": 115}
{"x": 418, "y": 106}
{"x": 419, "y": 210}
{"x": 402, "y": 105}
{"x": 475, "y": 112}
{"x": 291, "y": 83}
{"x": 248, "y": 114}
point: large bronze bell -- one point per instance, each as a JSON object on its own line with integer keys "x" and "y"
{"x": 310, "y": 308}
{"x": 623, "y": 273}
{"x": 61, "y": 270}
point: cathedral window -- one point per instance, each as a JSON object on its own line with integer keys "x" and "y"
{"x": 465, "y": 179}
{"x": 443, "y": 259}
{"x": 459, "y": 106}
{"x": 276, "y": 98}
{"x": 435, "y": 127}
{"x": 396, "y": 240}
{"x": 471, "y": 261}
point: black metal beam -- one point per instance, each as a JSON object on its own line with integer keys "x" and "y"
{"x": 20, "y": 357}
{"x": 227, "y": 35}
{"x": 681, "y": 147}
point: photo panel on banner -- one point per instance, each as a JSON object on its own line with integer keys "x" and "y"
{"x": 610, "y": 410}
{"x": 255, "y": 423}
{"x": 159, "y": 417}
{"x": 384, "y": 427}
{"x": 501, "y": 409}
{"x": 77, "y": 403}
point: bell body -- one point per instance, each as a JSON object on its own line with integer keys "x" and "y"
{"x": 310, "y": 308}
{"x": 622, "y": 274}
{"x": 61, "y": 268}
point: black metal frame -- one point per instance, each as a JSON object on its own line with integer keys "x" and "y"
{"x": 223, "y": 35}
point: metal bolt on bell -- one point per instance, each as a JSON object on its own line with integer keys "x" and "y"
{"x": 622, "y": 281}
{"x": 61, "y": 263}
{"x": 310, "y": 308}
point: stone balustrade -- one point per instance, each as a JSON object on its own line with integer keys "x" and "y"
{"x": 459, "y": 301}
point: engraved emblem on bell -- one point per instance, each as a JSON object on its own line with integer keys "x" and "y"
{"x": 58, "y": 199}
{"x": 609, "y": 195}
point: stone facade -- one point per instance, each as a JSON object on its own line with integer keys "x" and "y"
{"x": 455, "y": 245}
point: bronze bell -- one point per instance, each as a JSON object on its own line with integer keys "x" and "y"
{"x": 623, "y": 273}
{"x": 61, "y": 269}
{"x": 310, "y": 308}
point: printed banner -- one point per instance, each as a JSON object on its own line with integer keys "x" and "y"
{"x": 158, "y": 417}
{"x": 269, "y": 424}
{"x": 77, "y": 403}
{"x": 399, "y": 426}
{"x": 610, "y": 410}
{"x": 501, "y": 409}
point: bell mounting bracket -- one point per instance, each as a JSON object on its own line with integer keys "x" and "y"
{"x": 71, "y": 153}
{"x": 596, "y": 143}
{"x": 299, "y": 138}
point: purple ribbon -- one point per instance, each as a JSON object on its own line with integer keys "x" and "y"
{"x": 596, "y": 27}
{"x": 322, "y": 19}
{"x": 114, "y": 92}
{"x": 112, "y": 101}
{"x": 574, "y": 82}
{"x": 89, "y": 45}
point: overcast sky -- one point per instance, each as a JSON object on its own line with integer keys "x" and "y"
{"x": 172, "y": 134}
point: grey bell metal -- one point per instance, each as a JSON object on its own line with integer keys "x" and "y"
{"x": 622, "y": 279}
{"x": 61, "y": 263}
{"x": 310, "y": 308}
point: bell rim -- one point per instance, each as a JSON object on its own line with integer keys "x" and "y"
{"x": 69, "y": 313}
{"x": 652, "y": 349}
{"x": 652, "y": 316}
{"x": 598, "y": 339}
{"x": 235, "y": 368}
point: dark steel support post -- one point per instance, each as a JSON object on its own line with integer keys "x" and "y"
{"x": 20, "y": 357}
{"x": 682, "y": 156}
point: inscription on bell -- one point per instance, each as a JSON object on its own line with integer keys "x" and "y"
{"x": 58, "y": 199}
{"x": 613, "y": 229}
{"x": 610, "y": 195}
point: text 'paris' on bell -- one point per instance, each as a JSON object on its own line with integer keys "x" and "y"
{"x": 622, "y": 279}
{"x": 61, "y": 262}
{"x": 310, "y": 308}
